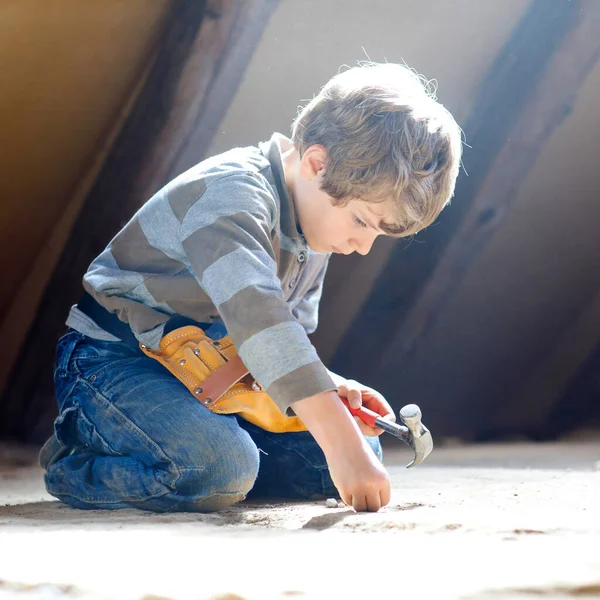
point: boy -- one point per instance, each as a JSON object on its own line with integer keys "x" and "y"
{"x": 239, "y": 244}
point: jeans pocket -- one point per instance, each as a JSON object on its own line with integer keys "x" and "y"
{"x": 64, "y": 351}
{"x": 74, "y": 429}
{"x": 65, "y": 427}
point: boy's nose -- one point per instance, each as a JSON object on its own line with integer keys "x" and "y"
{"x": 362, "y": 246}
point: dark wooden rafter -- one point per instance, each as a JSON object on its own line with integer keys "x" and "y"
{"x": 551, "y": 100}
{"x": 527, "y": 93}
{"x": 204, "y": 49}
{"x": 242, "y": 24}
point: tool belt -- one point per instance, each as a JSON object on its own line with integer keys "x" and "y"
{"x": 217, "y": 377}
{"x": 210, "y": 369}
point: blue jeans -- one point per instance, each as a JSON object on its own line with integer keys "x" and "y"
{"x": 140, "y": 439}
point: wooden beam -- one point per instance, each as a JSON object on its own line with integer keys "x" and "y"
{"x": 550, "y": 102}
{"x": 245, "y": 24}
{"x": 204, "y": 49}
{"x": 417, "y": 280}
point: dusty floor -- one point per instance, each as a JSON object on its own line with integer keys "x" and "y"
{"x": 493, "y": 521}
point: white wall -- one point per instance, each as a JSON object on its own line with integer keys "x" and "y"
{"x": 306, "y": 43}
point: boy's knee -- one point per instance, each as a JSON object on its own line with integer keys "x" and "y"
{"x": 221, "y": 473}
{"x": 237, "y": 467}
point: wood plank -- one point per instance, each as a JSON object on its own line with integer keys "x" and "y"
{"x": 204, "y": 49}
{"x": 246, "y": 23}
{"x": 388, "y": 318}
{"x": 550, "y": 102}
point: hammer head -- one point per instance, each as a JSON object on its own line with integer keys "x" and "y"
{"x": 419, "y": 438}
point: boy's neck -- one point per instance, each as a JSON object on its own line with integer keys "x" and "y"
{"x": 291, "y": 162}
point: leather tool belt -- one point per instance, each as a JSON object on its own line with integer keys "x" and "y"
{"x": 214, "y": 373}
{"x": 210, "y": 369}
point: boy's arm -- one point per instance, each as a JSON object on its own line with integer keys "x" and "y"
{"x": 226, "y": 235}
{"x": 359, "y": 477}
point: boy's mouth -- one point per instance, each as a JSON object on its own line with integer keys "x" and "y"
{"x": 338, "y": 251}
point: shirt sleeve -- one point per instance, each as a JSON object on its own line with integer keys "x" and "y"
{"x": 227, "y": 237}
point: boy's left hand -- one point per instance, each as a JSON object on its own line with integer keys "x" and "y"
{"x": 359, "y": 395}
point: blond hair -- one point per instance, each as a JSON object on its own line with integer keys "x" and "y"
{"x": 386, "y": 138}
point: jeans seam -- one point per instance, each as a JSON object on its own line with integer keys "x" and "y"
{"x": 199, "y": 469}
{"x": 154, "y": 448}
{"x": 101, "y": 367}
{"x": 299, "y": 453}
{"x": 62, "y": 366}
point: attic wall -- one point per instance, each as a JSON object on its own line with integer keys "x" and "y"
{"x": 306, "y": 43}
{"x": 540, "y": 271}
{"x": 525, "y": 292}
{"x": 68, "y": 70}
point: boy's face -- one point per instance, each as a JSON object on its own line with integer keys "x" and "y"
{"x": 340, "y": 229}
{"x": 329, "y": 228}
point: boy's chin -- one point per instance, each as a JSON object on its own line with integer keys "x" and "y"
{"x": 316, "y": 245}
{"x": 319, "y": 248}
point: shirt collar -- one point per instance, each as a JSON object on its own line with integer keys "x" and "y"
{"x": 272, "y": 151}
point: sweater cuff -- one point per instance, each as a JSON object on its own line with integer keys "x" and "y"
{"x": 304, "y": 382}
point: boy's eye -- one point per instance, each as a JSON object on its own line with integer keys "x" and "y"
{"x": 359, "y": 221}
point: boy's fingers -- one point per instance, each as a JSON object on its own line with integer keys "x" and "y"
{"x": 351, "y": 391}
{"x": 383, "y": 408}
{"x": 385, "y": 497}
{"x": 354, "y": 398}
{"x": 354, "y": 394}
{"x": 359, "y": 503}
{"x": 374, "y": 503}
{"x": 366, "y": 429}
{"x": 346, "y": 499}
{"x": 366, "y": 503}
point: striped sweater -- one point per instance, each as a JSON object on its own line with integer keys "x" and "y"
{"x": 220, "y": 243}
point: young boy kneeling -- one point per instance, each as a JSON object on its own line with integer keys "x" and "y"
{"x": 238, "y": 245}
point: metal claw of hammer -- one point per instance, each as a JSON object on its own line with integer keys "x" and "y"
{"x": 412, "y": 433}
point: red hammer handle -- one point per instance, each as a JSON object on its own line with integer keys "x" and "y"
{"x": 366, "y": 415}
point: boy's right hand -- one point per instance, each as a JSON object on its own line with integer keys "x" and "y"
{"x": 359, "y": 477}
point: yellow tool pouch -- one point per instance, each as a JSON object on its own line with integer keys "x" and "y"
{"x": 217, "y": 377}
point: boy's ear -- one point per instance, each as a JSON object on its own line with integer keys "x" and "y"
{"x": 313, "y": 161}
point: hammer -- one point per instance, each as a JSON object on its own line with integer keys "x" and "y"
{"x": 413, "y": 432}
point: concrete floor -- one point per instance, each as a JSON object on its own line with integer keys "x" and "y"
{"x": 489, "y": 521}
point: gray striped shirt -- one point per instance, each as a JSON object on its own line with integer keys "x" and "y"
{"x": 220, "y": 242}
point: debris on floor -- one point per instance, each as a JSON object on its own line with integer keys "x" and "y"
{"x": 485, "y": 522}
